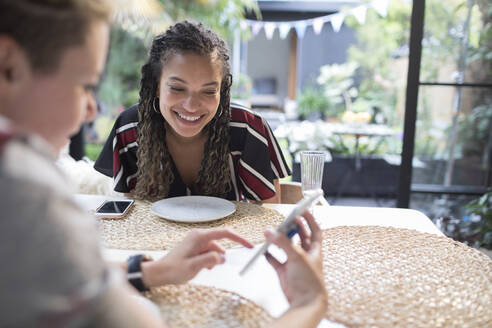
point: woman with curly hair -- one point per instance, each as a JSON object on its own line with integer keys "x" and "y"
{"x": 185, "y": 137}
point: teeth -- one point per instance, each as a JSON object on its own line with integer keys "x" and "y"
{"x": 188, "y": 118}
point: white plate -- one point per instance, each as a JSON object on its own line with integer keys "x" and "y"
{"x": 192, "y": 209}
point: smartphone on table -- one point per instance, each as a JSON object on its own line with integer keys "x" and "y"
{"x": 289, "y": 226}
{"x": 114, "y": 209}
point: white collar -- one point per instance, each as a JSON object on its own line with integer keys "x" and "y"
{"x": 5, "y": 123}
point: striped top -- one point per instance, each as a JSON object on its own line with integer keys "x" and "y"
{"x": 255, "y": 156}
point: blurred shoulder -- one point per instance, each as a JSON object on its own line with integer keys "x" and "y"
{"x": 30, "y": 159}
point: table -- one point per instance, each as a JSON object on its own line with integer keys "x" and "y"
{"x": 358, "y": 130}
{"x": 261, "y": 284}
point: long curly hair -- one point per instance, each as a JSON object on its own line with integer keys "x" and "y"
{"x": 154, "y": 175}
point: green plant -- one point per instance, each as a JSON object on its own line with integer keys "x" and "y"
{"x": 379, "y": 99}
{"x": 92, "y": 151}
{"x": 306, "y": 135}
{"x": 312, "y": 100}
{"x": 223, "y": 16}
{"x": 474, "y": 130}
{"x": 482, "y": 207}
{"x": 120, "y": 85}
{"x": 429, "y": 140}
{"x": 241, "y": 87}
{"x": 345, "y": 145}
{"x": 337, "y": 81}
{"x": 146, "y": 18}
{"x": 103, "y": 126}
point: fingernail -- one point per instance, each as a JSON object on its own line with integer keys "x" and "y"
{"x": 269, "y": 234}
{"x": 222, "y": 258}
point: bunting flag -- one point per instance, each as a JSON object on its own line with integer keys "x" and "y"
{"x": 336, "y": 20}
{"x": 318, "y": 25}
{"x": 269, "y": 30}
{"x": 381, "y": 6}
{"x": 243, "y": 25}
{"x": 283, "y": 30}
{"x": 300, "y": 28}
{"x": 256, "y": 28}
{"x": 360, "y": 14}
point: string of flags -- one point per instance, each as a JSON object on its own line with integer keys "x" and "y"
{"x": 336, "y": 20}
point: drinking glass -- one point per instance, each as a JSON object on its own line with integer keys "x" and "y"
{"x": 312, "y": 163}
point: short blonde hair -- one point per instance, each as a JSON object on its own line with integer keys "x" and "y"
{"x": 46, "y": 28}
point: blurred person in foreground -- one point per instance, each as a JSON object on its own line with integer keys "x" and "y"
{"x": 52, "y": 53}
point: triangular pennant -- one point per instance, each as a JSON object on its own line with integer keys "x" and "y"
{"x": 337, "y": 21}
{"x": 360, "y": 14}
{"x": 301, "y": 28}
{"x": 381, "y": 6}
{"x": 318, "y": 25}
{"x": 269, "y": 30}
{"x": 283, "y": 30}
{"x": 256, "y": 28}
{"x": 243, "y": 25}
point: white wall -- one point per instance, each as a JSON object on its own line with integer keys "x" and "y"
{"x": 270, "y": 58}
{"x": 267, "y": 59}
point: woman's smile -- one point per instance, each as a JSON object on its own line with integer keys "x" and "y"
{"x": 188, "y": 118}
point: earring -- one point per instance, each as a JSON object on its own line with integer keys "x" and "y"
{"x": 153, "y": 105}
{"x": 220, "y": 113}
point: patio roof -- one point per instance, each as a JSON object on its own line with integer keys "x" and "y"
{"x": 285, "y": 10}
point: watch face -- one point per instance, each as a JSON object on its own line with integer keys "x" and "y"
{"x": 134, "y": 274}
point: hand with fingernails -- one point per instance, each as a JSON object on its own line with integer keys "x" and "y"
{"x": 198, "y": 250}
{"x": 301, "y": 275}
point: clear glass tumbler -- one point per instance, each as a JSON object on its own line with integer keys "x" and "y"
{"x": 312, "y": 164}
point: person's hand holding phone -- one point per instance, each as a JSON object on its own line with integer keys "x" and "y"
{"x": 301, "y": 275}
{"x": 198, "y": 250}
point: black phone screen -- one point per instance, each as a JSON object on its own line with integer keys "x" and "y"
{"x": 114, "y": 207}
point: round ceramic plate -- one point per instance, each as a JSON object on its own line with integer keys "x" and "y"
{"x": 191, "y": 209}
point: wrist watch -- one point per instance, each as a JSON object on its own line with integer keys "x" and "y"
{"x": 134, "y": 274}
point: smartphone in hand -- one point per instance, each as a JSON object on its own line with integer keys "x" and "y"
{"x": 289, "y": 226}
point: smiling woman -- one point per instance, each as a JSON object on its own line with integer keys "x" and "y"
{"x": 189, "y": 94}
{"x": 185, "y": 137}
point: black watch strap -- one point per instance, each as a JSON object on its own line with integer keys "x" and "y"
{"x": 134, "y": 274}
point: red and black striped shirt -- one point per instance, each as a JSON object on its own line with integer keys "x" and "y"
{"x": 255, "y": 156}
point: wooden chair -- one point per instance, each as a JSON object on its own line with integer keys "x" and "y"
{"x": 291, "y": 193}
